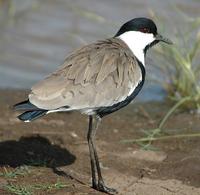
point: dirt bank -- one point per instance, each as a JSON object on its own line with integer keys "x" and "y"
{"x": 31, "y": 151}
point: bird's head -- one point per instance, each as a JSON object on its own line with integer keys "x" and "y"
{"x": 141, "y": 32}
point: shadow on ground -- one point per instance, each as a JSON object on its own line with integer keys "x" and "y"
{"x": 34, "y": 151}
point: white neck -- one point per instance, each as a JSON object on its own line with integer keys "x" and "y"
{"x": 137, "y": 41}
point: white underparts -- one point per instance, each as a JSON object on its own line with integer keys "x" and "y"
{"x": 137, "y": 41}
{"x": 59, "y": 110}
{"x": 88, "y": 111}
{"x": 132, "y": 88}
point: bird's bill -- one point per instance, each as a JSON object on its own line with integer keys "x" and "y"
{"x": 159, "y": 37}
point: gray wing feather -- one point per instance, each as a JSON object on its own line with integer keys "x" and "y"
{"x": 96, "y": 75}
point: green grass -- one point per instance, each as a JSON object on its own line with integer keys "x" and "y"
{"x": 19, "y": 171}
{"x": 18, "y": 189}
{"x": 48, "y": 187}
{"x": 29, "y": 189}
{"x": 179, "y": 64}
{"x": 24, "y": 189}
{"x": 157, "y": 133}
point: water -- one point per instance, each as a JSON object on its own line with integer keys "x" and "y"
{"x": 36, "y": 35}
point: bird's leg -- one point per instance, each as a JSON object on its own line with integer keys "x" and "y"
{"x": 91, "y": 150}
{"x": 91, "y": 134}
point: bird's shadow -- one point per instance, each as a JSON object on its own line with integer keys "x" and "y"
{"x": 34, "y": 151}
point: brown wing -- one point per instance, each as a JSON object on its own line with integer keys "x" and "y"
{"x": 99, "y": 74}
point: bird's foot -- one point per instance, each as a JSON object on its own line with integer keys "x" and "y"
{"x": 102, "y": 188}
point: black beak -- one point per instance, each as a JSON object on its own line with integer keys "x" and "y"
{"x": 163, "y": 39}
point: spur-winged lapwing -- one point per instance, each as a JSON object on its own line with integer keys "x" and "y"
{"x": 97, "y": 79}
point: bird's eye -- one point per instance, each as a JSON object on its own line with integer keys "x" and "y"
{"x": 145, "y": 30}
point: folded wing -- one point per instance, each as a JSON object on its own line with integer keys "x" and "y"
{"x": 99, "y": 74}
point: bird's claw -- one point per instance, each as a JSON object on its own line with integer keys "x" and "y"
{"x": 102, "y": 188}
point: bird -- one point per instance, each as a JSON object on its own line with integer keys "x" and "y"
{"x": 97, "y": 79}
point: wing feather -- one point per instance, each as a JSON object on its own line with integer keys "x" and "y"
{"x": 108, "y": 66}
{"x": 96, "y": 75}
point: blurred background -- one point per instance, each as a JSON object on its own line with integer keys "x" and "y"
{"x": 36, "y": 35}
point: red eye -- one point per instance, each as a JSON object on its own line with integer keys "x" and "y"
{"x": 145, "y": 30}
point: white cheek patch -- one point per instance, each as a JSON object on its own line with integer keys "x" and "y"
{"x": 137, "y": 41}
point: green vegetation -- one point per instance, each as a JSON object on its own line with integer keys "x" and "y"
{"x": 29, "y": 189}
{"x": 24, "y": 189}
{"x": 18, "y": 189}
{"x": 19, "y": 171}
{"x": 157, "y": 133}
{"x": 179, "y": 64}
{"x": 48, "y": 187}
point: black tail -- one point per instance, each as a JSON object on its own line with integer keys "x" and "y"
{"x": 32, "y": 111}
{"x": 26, "y": 105}
{"x": 29, "y": 116}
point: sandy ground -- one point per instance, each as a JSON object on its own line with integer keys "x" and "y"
{"x": 55, "y": 148}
